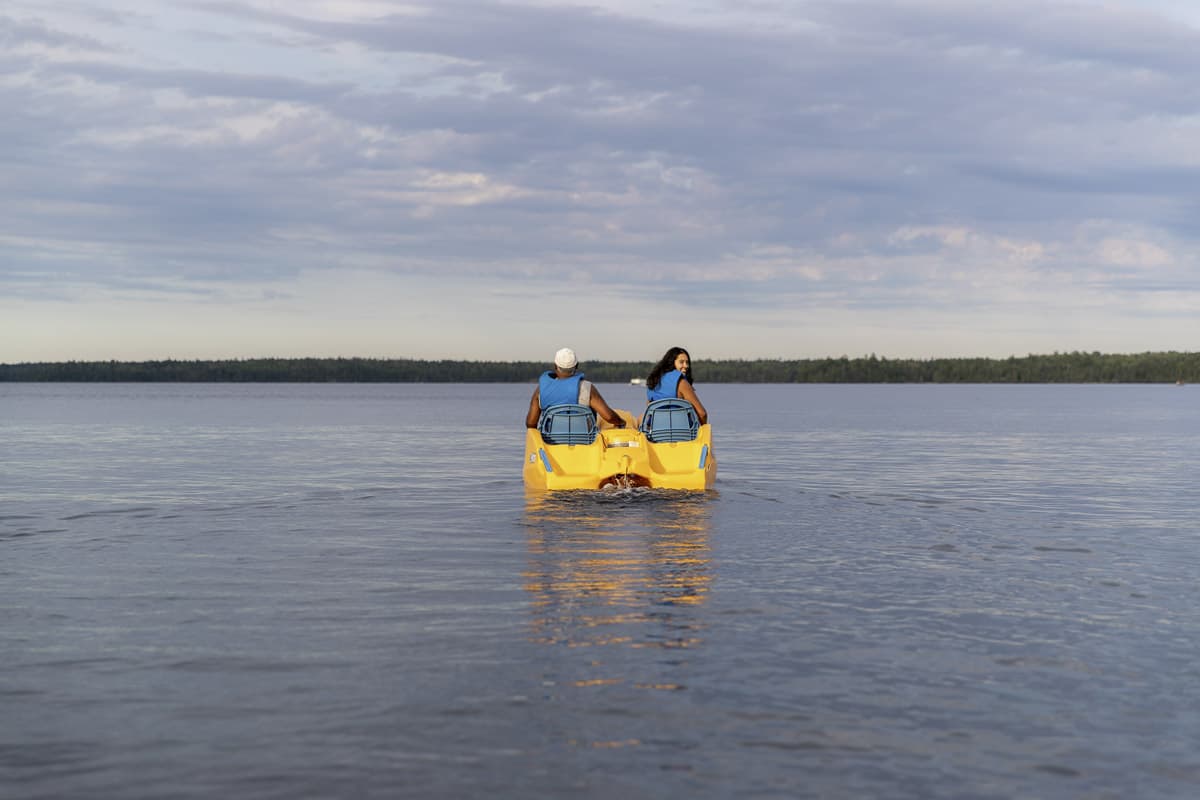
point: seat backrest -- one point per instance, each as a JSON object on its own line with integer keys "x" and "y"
{"x": 670, "y": 420}
{"x": 568, "y": 424}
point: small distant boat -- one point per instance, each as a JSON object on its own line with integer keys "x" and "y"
{"x": 637, "y": 381}
{"x": 1179, "y": 383}
{"x": 667, "y": 449}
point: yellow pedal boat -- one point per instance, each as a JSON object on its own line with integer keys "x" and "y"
{"x": 667, "y": 448}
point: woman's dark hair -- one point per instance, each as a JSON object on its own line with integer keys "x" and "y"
{"x": 666, "y": 365}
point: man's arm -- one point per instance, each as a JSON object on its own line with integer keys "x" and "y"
{"x": 535, "y": 410}
{"x": 607, "y": 414}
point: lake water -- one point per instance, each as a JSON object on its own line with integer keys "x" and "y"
{"x": 343, "y": 591}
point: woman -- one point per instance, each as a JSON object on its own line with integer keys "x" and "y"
{"x": 672, "y": 377}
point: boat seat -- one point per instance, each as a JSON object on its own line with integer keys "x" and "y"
{"x": 670, "y": 420}
{"x": 568, "y": 423}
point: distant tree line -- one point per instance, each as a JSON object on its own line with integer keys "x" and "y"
{"x": 1076, "y": 367}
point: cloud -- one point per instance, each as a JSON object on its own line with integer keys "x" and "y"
{"x": 757, "y": 159}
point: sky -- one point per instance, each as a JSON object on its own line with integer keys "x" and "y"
{"x": 484, "y": 180}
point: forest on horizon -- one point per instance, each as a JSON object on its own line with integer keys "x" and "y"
{"x": 1074, "y": 367}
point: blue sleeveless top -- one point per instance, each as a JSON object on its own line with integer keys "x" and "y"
{"x": 554, "y": 391}
{"x": 667, "y": 387}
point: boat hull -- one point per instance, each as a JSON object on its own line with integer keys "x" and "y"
{"x": 621, "y": 457}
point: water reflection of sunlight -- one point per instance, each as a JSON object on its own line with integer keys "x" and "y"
{"x": 618, "y": 568}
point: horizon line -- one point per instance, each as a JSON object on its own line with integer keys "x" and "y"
{"x": 781, "y": 359}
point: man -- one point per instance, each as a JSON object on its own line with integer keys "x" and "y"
{"x": 564, "y": 385}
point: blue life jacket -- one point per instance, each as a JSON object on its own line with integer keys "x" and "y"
{"x": 667, "y": 387}
{"x": 554, "y": 391}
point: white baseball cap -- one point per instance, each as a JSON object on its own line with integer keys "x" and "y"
{"x": 565, "y": 359}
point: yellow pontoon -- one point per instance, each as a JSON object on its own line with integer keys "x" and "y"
{"x": 667, "y": 449}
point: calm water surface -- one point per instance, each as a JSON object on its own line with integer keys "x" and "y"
{"x": 282, "y": 591}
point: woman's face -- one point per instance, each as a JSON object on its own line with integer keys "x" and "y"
{"x": 682, "y": 362}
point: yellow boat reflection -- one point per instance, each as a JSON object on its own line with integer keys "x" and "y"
{"x": 603, "y": 579}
